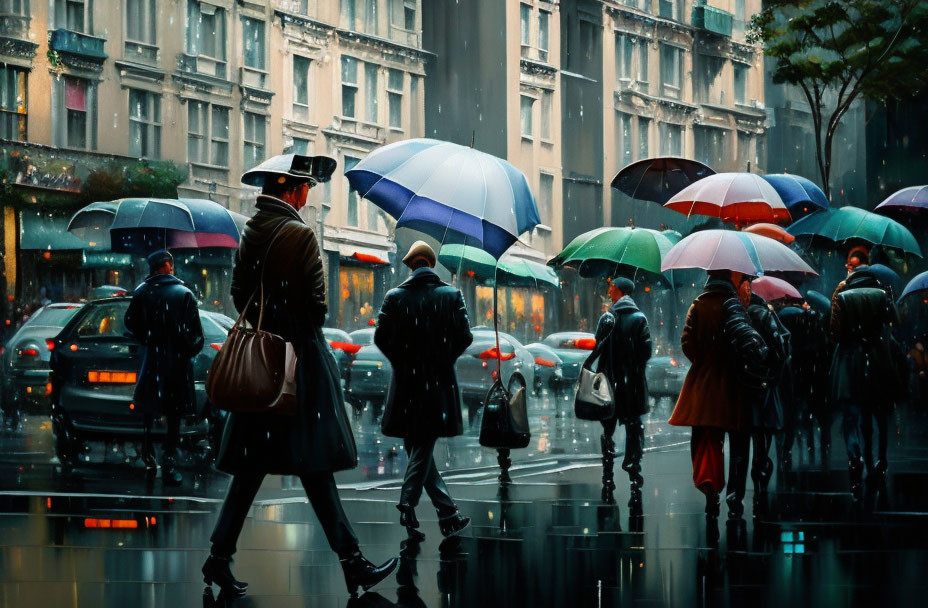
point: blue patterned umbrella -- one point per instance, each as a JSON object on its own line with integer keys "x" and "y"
{"x": 800, "y": 195}
{"x": 450, "y": 192}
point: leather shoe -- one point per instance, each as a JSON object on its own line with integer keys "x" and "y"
{"x": 216, "y": 570}
{"x": 359, "y": 572}
{"x": 454, "y": 525}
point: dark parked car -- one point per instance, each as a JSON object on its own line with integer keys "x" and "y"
{"x": 665, "y": 376}
{"x": 369, "y": 374}
{"x": 549, "y": 368}
{"x": 95, "y": 366}
{"x": 573, "y": 347}
{"x": 25, "y": 358}
{"x": 476, "y": 368}
{"x": 343, "y": 348}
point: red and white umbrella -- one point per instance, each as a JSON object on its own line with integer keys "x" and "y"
{"x": 740, "y": 198}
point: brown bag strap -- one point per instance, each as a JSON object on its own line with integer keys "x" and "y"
{"x": 260, "y": 287}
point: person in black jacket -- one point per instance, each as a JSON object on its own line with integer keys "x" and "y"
{"x": 163, "y": 316}
{"x": 279, "y": 261}
{"x": 866, "y": 372}
{"x": 624, "y": 355}
{"x": 423, "y": 329}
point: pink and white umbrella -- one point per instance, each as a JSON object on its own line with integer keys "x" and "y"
{"x": 730, "y": 250}
{"x": 772, "y": 288}
{"x": 740, "y": 198}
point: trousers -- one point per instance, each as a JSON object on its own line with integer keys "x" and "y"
{"x": 422, "y": 474}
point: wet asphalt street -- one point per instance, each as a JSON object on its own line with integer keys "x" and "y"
{"x": 545, "y": 540}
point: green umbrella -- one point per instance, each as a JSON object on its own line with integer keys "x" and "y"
{"x": 848, "y": 223}
{"x": 510, "y": 271}
{"x": 611, "y": 251}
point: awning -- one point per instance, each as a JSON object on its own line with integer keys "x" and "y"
{"x": 40, "y": 231}
{"x": 106, "y": 259}
{"x": 368, "y": 258}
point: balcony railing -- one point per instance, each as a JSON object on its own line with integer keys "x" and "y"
{"x": 75, "y": 43}
{"x": 712, "y": 19}
{"x": 201, "y": 64}
{"x": 14, "y": 26}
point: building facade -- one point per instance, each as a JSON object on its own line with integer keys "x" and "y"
{"x": 216, "y": 87}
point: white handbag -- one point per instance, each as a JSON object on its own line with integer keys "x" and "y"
{"x": 594, "y": 400}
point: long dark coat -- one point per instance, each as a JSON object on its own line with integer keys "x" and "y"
{"x": 624, "y": 356}
{"x": 767, "y": 405}
{"x": 318, "y": 438}
{"x": 163, "y": 317}
{"x": 422, "y": 330}
{"x": 867, "y": 365}
{"x": 810, "y": 361}
{"x": 712, "y": 393}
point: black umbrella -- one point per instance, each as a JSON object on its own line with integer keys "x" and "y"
{"x": 658, "y": 179}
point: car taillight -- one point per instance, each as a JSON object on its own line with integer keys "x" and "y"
{"x": 585, "y": 343}
{"x": 348, "y": 347}
{"x": 29, "y": 352}
{"x": 48, "y": 388}
{"x": 50, "y": 344}
{"x": 493, "y": 353}
{"x": 544, "y": 362}
{"x": 101, "y": 377}
{"x": 216, "y": 346}
{"x": 673, "y": 362}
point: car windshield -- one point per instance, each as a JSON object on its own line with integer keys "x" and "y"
{"x": 490, "y": 335}
{"x": 103, "y": 321}
{"x": 336, "y": 335}
{"x": 54, "y": 316}
{"x": 363, "y": 337}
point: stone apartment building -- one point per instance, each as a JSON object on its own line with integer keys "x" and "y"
{"x": 215, "y": 86}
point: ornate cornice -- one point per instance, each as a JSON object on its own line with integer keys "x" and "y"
{"x": 318, "y": 31}
{"x": 537, "y": 68}
{"x": 17, "y": 47}
{"x": 385, "y": 46}
{"x": 139, "y": 70}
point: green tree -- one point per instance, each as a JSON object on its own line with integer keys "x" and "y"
{"x": 839, "y": 51}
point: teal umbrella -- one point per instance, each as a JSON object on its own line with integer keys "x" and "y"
{"x": 611, "y": 251}
{"x": 850, "y": 223}
{"x": 510, "y": 271}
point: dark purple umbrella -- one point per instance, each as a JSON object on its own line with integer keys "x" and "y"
{"x": 908, "y": 201}
{"x": 658, "y": 179}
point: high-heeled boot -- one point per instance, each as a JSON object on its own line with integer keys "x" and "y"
{"x": 216, "y": 570}
{"x": 409, "y": 521}
{"x": 359, "y": 572}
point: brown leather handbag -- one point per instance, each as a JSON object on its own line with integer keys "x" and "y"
{"x": 255, "y": 370}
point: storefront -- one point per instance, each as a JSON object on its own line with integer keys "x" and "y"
{"x": 358, "y": 283}
{"x": 527, "y": 313}
{"x": 208, "y": 272}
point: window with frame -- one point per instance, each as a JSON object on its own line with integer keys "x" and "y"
{"x": 395, "y": 98}
{"x": 141, "y": 21}
{"x": 744, "y": 150}
{"x": 544, "y": 22}
{"x": 623, "y": 138}
{"x": 738, "y": 23}
{"x": 74, "y": 15}
{"x": 644, "y": 132}
{"x": 545, "y": 197}
{"x": 709, "y": 146}
{"x": 525, "y": 21}
{"x": 547, "y": 101}
{"x": 349, "y": 85}
{"x": 643, "y": 79}
{"x": 206, "y": 30}
{"x": 300, "y": 146}
{"x": 354, "y": 201}
{"x": 409, "y": 15}
{"x": 13, "y": 103}
{"x": 371, "y": 76}
{"x": 15, "y": 7}
{"x": 79, "y": 113}
{"x": 624, "y": 53}
{"x": 207, "y": 134}
{"x": 301, "y": 88}
{"x": 253, "y": 44}
{"x": 370, "y": 17}
{"x": 525, "y": 115}
{"x": 254, "y": 139}
{"x": 415, "y": 124}
{"x": 671, "y": 139}
{"x": 144, "y": 124}
{"x": 349, "y": 13}
{"x": 740, "y": 82}
{"x": 671, "y": 68}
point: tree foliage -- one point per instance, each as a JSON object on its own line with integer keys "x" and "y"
{"x": 837, "y": 51}
{"x": 155, "y": 179}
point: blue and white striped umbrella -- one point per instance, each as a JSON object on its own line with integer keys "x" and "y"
{"x": 450, "y": 192}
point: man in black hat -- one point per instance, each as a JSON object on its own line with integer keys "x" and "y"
{"x": 279, "y": 260}
{"x": 163, "y": 316}
{"x": 625, "y": 353}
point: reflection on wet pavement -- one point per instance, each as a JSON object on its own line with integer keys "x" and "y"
{"x": 102, "y": 536}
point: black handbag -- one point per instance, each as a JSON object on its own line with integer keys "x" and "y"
{"x": 505, "y": 419}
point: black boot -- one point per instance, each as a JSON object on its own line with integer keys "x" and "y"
{"x": 454, "y": 525}
{"x": 608, "y": 448}
{"x": 712, "y": 515}
{"x": 856, "y": 474}
{"x": 409, "y": 521}
{"x": 216, "y": 570}
{"x": 359, "y": 572}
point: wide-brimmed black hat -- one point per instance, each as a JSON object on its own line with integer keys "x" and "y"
{"x": 292, "y": 166}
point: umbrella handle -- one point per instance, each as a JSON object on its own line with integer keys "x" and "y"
{"x": 499, "y": 354}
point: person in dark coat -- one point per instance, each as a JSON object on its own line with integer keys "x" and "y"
{"x": 624, "y": 355}
{"x": 279, "y": 251}
{"x": 719, "y": 341}
{"x": 163, "y": 316}
{"x": 423, "y": 329}
{"x": 767, "y": 403}
{"x": 866, "y": 371}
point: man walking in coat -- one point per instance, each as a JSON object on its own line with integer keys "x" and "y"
{"x": 422, "y": 330}
{"x": 719, "y": 341}
{"x": 164, "y": 318}
{"x": 625, "y": 353}
{"x": 279, "y": 260}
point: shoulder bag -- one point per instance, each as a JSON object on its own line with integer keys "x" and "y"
{"x": 594, "y": 399}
